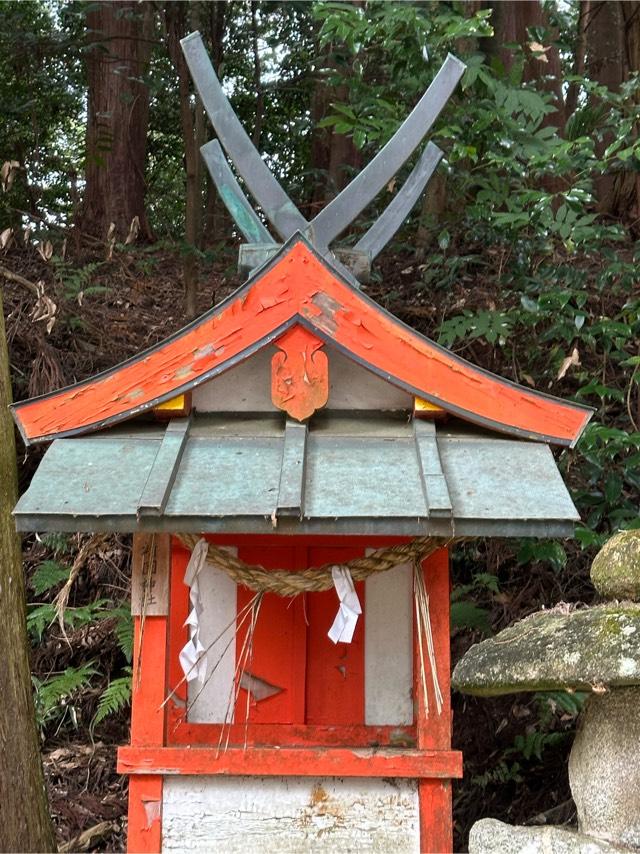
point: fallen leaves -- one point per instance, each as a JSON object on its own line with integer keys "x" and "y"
{"x": 7, "y": 174}
{"x": 45, "y": 308}
{"x": 571, "y": 361}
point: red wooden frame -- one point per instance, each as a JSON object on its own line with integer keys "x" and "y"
{"x": 291, "y": 761}
{"x": 161, "y": 743}
{"x": 299, "y": 288}
{"x": 147, "y": 730}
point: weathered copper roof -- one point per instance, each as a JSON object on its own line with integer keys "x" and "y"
{"x": 267, "y": 474}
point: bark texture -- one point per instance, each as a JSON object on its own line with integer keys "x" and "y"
{"x": 334, "y": 157}
{"x": 511, "y": 23}
{"x": 613, "y": 52}
{"x": 25, "y": 824}
{"x": 119, "y": 35}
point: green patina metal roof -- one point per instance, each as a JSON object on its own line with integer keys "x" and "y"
{"x": 342, "y": 474}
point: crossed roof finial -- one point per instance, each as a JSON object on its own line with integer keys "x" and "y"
{"x": 338, "y": 215}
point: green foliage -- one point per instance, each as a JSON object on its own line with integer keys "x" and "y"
{"x": 77, "y": 281}
{"x": 54, "y": 697}
{"x": 115, "y": 697}
{"x": 124, "y": 631}
{"x": 48, "y": 575}
{"x": 465, "y": 612}
{"x": 501, "y": 774}
{"x": 493, "y": 326}
{"x": 531, "y": 551}
{"x": 42, "y": 106}
{"x": 468, "y": 615}
{"x": 41, "y": 616}
{"x": 533, "y": 744}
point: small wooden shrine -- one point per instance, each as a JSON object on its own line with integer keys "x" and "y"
{"x": 294, "y": 466}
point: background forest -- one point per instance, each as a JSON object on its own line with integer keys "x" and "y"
{"x": 522, "y": 258}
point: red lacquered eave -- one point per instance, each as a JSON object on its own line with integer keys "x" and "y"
{"x": 298, "y": 287}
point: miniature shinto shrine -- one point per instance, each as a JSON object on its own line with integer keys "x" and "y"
{"x": 294, "y": 466}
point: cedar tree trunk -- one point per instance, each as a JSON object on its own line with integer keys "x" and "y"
{"x": 119, "y": 35}
{"x": 24, "y": 815}
{"x": 176, "y": 26}
{"x": 511, "y": 22}
{"x": 613, "y": 52}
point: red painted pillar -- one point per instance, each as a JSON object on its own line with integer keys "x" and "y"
{"x": 433, "y": 729}
{"x": 148, "y": 718}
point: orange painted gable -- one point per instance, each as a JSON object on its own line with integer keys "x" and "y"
{"x": 298, "y": 287}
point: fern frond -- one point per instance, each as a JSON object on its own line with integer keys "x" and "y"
{"x": 48, "y": 575}
{"x": 116, "y": 696}
{"x": 124, "y": 631}
{"x": 53, "y": 694}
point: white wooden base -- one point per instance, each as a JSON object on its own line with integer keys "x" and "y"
{"x": 293, "y": 814}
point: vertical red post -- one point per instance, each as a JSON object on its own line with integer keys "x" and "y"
{"x": 433, "y": 729}
{"x": 147, "y": 712}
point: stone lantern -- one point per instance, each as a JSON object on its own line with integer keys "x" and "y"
{"x": 594, "y": 649}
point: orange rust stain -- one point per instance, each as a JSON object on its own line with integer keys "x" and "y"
{"x": 300, "y": 285}
{"x": 299, "y": 374}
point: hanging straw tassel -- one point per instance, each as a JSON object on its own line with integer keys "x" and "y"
{"x": 423, "y": 626}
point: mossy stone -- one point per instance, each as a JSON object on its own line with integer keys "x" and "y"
{"x": 580, "y": 649}
{"x": 615, "y": 572}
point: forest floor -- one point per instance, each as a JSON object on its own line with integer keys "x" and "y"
{"x": 107, "y": 310}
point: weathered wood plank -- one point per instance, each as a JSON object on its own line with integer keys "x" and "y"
{"x": 388, "y": 656}
{"x": 150, "y": 575}
{"x": 289, "y": 815}
{"x": 293, "y": 734}
{"x": 144, "y": 833}
{"x": 291, "y": 761}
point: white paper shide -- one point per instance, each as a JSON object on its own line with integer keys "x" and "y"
{"x": 193, "y": 658}
{"x": 349, "y": 610}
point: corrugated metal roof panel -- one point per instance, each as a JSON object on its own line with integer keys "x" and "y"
{"x": 234, "y": 476}
{"x": 361, "y": 476}
{"x": 90, "y": 476}
{"x": 368, "y": 477}
{"x": 503, "y": 479}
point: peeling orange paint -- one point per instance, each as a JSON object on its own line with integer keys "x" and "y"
{"x": 298, "y": 286}
{"x": 299, "y": 374}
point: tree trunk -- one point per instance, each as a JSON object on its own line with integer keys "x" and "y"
{"x": 334, "y": 157}
{"x": 193, "y": 134}
{"x": 613, "y": 52}
{"x": 580, "y": 54}
{"x": 24, "y": 815}
{"x": 119, "y": 35}
{"x": 511, "y": 22}
{"x": 216, "y": 224}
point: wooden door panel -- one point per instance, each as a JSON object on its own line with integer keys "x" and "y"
{"x": 277, "y": 656}
{"x": 335, "y": 672}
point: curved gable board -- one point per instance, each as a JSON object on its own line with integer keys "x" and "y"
{"x": 297, "y": 286}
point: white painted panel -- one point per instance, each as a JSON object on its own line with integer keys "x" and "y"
{"x": 247, "y": 387}
{"x": 218, "y": 598}
{"x": 289, "y": 815}
{"x": 388, "y": 647}
{"x": 354, "y": 387}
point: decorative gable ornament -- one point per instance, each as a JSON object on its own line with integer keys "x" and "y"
{"x": 294, "y": 466}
